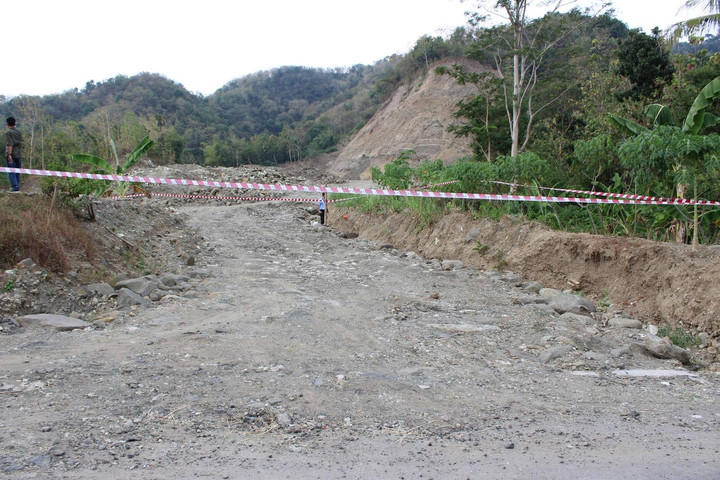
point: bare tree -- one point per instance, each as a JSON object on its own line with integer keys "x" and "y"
{"x": 518, "y": 53}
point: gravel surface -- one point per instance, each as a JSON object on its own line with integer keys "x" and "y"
{"x": 302, "y": 354}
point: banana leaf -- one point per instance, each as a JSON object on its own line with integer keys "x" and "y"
{"x": 629, "y": 126}
{"x": 695, "y": 120}
{"x": 142, "y": 147}
{"x": 659, "y": 114}
{"x": 97, "y": 162}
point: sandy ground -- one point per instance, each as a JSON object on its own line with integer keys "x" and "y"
{"x": 307, "y": 355}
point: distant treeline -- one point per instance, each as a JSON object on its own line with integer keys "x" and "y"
{"x": 270, "y": 117}
{"x": 292, "y": 113}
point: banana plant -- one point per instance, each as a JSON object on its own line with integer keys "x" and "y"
{"x": 697, "y": 119}
{"x": 104, "y": 167}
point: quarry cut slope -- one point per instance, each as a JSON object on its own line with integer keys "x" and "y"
{"x": 415, "y": 118}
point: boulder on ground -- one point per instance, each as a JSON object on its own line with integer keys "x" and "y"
{"x": 127, "y": 298}
{"x": 663, "y": 348}
{"x": 142, "y": 286}
{"x": 564, "y": 303}
{"x": 103, "y": 289}
{"x": 622, "y": 322}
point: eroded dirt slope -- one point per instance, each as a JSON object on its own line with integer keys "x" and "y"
{"x": 415, "y": 118}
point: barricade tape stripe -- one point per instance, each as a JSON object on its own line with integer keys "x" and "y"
{"x": 629, "y": 196}
{"x": 210, "y": 197}
{"x": 423, "y": 187}
{"x": 362, "y": 191}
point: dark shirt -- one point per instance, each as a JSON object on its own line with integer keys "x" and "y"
{"x": 14, "y": 139}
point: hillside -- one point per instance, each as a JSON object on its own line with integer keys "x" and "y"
{"x": 416, "y": 118}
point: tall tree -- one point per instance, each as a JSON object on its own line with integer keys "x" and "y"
{"x": 643, "y": 60}
{"x": 517, "y": 50}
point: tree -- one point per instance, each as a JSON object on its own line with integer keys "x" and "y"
{"x": 697, "y": 25}
{"x": 645, "y": 63}
{"x": 518, "y": 50}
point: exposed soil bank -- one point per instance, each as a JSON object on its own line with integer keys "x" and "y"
{"x": 658, "y": 282}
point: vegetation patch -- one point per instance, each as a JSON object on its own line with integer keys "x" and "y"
{"x": 679, "y": 336}
{"x": 37, "y": 228}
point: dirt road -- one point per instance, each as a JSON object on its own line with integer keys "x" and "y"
{"x": 302, "y": 354}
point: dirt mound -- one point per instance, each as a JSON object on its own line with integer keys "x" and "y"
{"x": 416, "y": 118}
{"x": 656, "y": 282}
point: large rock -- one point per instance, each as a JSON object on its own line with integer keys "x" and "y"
{"x": 142, "y": 286}
{"x": 103, "y": 289}
{"x": 170, "y": 279}
{"x": 622, "y": 322}
{"x": 663, "y": 348}
{"x": 49, "y": 320}
{"x": 127, "y": 298}
{"x": 564, "y": 303}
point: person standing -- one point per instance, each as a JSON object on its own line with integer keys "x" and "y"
{"x": 322, "y": 207}
{"x": 13, "y": 152}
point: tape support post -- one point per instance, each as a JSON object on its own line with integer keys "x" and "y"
{"x": 356, "y": 191}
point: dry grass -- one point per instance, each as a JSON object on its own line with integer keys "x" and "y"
{"x": 36, "y": 227}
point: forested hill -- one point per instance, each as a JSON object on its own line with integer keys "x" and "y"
{"x": 296, "y": 103}
{"x": 292, "y": 112}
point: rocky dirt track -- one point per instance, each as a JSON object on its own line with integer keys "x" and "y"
{"x": 303, "y": 354}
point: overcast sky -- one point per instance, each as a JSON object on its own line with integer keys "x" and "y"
{"x": 54, "y": 45}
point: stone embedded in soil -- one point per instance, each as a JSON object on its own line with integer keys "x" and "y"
{"x": 554, "y": 353}
{"x": 663, "y": 348}
{"x": 142, "y": 286}
{"x": 531, "y": 287}
{"x": 549, "y": 292}
{"x": 41, "y": 461}
{"x": 565, "y": 303}
{"x": 26, "y": 263}
{"x": 60, "y": 323}
{"x": 621, "y": 322}
{"x": 452, "y": 264}
{"x": 127, "y": 298}
{"x": 103, "y": 289}
{"x": 283, "y": 419}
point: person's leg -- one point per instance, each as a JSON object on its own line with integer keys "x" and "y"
{"x": 322, "y": 217}
{"x": 18, "y": 164}
{"x": 12, "y": 176}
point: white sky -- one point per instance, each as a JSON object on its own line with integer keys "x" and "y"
{"x": 61, "y": 44}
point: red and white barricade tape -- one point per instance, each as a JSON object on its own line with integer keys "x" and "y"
{"x": 210, "y": 197}
{"x": 423, "y": 187}
{"x": 627, "y": 196}
{"x": 358, "y": 191}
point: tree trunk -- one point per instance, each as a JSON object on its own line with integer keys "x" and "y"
{"x": 695, "y": 217}
{"x": 515, "y": 127}
{"x": 681, "y": 228}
